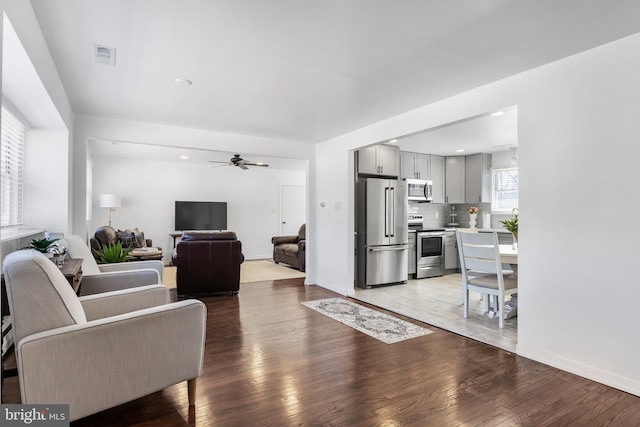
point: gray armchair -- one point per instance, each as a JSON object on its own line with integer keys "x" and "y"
{"x": 99, "y": 278}
{"x": 99, "y": 351}
{"x": 291, "y": 249}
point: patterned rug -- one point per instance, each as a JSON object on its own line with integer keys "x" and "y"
{"x": 381, "y": 326}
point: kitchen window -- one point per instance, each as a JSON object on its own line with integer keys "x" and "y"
{"x": 11, "y": 164}
{"x": 504, "y": 189}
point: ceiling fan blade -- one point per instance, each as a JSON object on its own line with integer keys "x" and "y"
{"x": 264, "y": 165}
{"x": 218, "y": 161}
{"x": 242, "y": 166}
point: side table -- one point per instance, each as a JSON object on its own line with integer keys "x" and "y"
{"x": 72, "y": 270}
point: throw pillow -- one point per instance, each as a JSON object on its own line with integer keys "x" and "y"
{"x": 141, "y": 242}
{"x": 127, "y": 238}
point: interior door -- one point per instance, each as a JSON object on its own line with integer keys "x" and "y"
{"x": 292, "y": 209}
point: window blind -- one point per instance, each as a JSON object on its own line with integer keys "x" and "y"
{"x": 505, "y": 189}
{"x": 11, "y": 164}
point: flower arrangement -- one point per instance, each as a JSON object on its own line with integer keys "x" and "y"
{"x": 512, "y": 224}
{"x": 473, "y": 210}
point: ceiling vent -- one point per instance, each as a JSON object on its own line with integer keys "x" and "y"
{"x": 104, "y": 55}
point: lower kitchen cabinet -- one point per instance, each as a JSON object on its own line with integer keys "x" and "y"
{"x": 412, "y": 254}
{"x": 450, "y": 251}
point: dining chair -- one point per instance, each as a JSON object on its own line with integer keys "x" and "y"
{"x": 482, "y": 270}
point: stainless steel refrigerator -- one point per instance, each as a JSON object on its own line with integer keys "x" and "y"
{"x": 382, "y": 234}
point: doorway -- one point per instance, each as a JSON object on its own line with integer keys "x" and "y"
{"x": 292, "y": 209}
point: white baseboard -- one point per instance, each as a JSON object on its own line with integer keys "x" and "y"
{"x": 596, "y": 374}
{"x": 331, "y": 287}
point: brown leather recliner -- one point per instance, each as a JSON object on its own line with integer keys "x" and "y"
{"x": 208, "y": 262}
{"x": 291, "y": 249}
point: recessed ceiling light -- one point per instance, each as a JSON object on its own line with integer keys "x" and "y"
{"x": 459, "y": 150}
{"x": 183, "y": 82}
{"x": 497, "y": 113}
{"x": 184, "y": 157}
{"x": 393, "y": 140}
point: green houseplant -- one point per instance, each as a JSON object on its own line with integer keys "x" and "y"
{"x": 112, "y": 253}
{"x": 512, "y": 225}
{"x": 42, "y": 245}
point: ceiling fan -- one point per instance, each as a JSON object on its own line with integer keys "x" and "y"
{"x": 238, "y": 161}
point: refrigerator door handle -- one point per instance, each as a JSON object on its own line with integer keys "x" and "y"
{"x": 388, "y": 248}
{"x": 392, "y": 209}
{"x": 386, "y": 212}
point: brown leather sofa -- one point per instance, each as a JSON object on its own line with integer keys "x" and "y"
{"x": 291, "y": 249}
{"x": 133, "y": 239}
{"x": 208, "y": 262}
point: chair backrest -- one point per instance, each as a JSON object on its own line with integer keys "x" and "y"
{"x": 479, "y": 252}
{"x": 78, "y": 249}
{"x": 302, "y": 233}
{"x": 40, "y": 297}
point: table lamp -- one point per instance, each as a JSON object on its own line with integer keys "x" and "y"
{"x": 110, "y": 201}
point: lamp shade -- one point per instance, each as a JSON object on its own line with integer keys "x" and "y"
{"x": 109, "y": 201}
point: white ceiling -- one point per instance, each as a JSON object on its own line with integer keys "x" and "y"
{"x": 163, "y": 153}
{"x": 307, "y": 70}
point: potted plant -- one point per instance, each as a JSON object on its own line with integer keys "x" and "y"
{"x": 473, "y": 216}
{"x": 111, "y": 253}
{"x": 43, "y": 245}
{"x": 512, "y": 226}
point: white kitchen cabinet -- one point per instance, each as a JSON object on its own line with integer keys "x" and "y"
{"x": 478, "y": 178}
{"x": 455, "y": 179}
{"x": 437, "y": 178}
{"x": 451, "y": 260}
{"x": 379, "y": 160}
{"x": 416, "y": 165}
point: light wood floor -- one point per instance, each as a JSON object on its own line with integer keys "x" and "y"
{"x": 270, "y": 361}
{"x": 438, "y": 301}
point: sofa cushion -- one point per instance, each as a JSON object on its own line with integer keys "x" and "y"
{"x": 209, "y": 235}
{"x": 288, "y": 249}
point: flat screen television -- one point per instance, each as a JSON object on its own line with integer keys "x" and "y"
{"x": 201, "y": 216}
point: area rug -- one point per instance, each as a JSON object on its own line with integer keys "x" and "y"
{"x": 383, "y": 327}
{"x": 250, "y": 271}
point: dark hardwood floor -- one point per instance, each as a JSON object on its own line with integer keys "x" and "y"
{"x": 271, "y": 361}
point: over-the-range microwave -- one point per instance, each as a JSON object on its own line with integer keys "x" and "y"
{"x": 419, "y": 190}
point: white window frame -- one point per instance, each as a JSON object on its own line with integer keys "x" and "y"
{"x": 14, "y": 129}
{"x": 494, "y": 191}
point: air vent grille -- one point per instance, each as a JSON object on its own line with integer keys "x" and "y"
{"x": 104, "y": 54}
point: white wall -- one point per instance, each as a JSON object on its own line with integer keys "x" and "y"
{"x": 578, "y": 133}
{"x": 31, "y": 82}
{"x": 150, "y": 188}
{"x": 46, "y": 174}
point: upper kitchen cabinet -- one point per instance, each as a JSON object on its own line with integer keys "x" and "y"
{"x": 437, "y": 178}
{"x": 455, "y": 179}
{"x": 478, "y": 178}
{"x": 379, "y": 160}
{"x": 416, "y": 165}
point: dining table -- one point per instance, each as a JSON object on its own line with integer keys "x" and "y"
{"x": 509, "y": 254}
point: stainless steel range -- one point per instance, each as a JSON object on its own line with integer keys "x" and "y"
{"x": 430, "y": 253}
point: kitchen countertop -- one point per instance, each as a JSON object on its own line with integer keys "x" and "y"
{"x": 465, "y": 229}
{"x": 481, "y": 230}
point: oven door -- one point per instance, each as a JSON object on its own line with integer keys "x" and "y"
{"x": 429, "y": 254}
